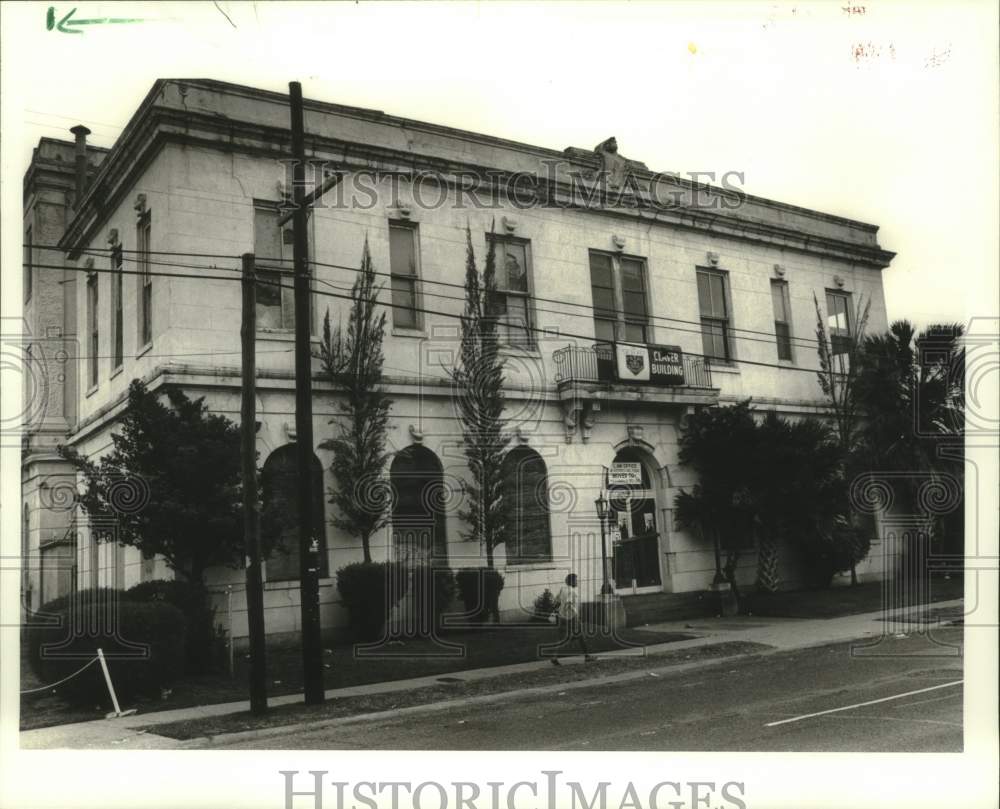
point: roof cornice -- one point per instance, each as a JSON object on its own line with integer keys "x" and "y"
{"x": 154, "y": 125}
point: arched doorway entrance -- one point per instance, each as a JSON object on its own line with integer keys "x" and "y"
{"x": 418, "y": 522}
{"x": 632, "y": 517}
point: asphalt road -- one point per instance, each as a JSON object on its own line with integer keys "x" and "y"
{"x": 730, "y": 707}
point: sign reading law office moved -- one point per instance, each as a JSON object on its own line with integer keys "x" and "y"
{"x": 654, "y": 364}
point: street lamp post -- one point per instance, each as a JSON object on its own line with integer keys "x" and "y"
{"x": 602, "y": 512}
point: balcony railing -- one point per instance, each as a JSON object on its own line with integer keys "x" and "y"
{"x": 597, "y": 365}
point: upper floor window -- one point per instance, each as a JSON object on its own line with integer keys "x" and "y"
{"x": 838, "y": 321}
{"x": 117, "y": 338}
{"x": 92, "y": 329}
{"x": 619, "y": 289}
{"x": 511, "y": 304}
{"x": 274, "y": 266}
{"x": 782, "y": 319}
{"x": 714, "y": 309}
{"x": 403, "y": 267}
{"x": 145, "y": 296}
{"x": 29, "y": 249}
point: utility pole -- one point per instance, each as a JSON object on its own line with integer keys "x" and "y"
{"x": 312, "y": 650}
{"x": 251, "y": 523}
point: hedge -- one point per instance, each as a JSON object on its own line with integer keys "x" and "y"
{"x": 201, "y": 651}
{"x": 143, "y": 647}
{"x": 480, "y": 592}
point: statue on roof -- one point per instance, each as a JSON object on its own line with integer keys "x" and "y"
{"x": 614, "y": 167}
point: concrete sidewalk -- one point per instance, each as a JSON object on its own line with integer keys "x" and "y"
{"x": 779, "y": 633}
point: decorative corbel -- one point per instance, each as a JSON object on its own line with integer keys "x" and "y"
{"x": 290, "y": 431}
{"x": 569, "y": 418}
{"x": 779, "y": 271}
{"x": 839, "y": 280}
{"x": 416, "y": 435}
{"x": 635, "y": 432}
{"x": 618, "y": 242}
{"x": 140, "y": 204}
{"x": 713, "y": 258}
{"x": 588, "y": 419}
{"x": 113, "y": 237}
{"x": 402, "y": 211}
{"x": 523, "y": 435}
{"x": 509, "y": 223}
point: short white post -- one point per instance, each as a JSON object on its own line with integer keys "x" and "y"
{"x": 107, "y": 678}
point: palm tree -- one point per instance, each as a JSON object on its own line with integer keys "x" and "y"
{"x": 910, "y": 392}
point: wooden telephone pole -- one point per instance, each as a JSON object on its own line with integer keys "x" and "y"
{"x": 251, "y": 522}
{"x": 312, "y": 651}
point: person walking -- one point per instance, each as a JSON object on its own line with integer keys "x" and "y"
{"x": 568, "y": 618}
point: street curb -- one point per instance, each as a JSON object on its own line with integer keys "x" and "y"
{"x": 483, "y": 699}
{"x": 201, "y": 742}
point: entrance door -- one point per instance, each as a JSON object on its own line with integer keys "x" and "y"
{"x": 635, "y": 539}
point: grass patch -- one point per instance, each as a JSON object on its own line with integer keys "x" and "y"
{"x": 344, "y": 665}
{"x": 837, "y": 601}
{"x": 352, "y": 706}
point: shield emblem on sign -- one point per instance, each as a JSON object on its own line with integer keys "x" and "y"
{"x": 635, "y": 363}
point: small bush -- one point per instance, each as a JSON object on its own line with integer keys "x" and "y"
{"x": 51, "y": 624}
{"x": 545, "y": 605}
{"x": 368, "y": 593}
{"x": 480, "y": 592}
{"x": 433, "y": 590}
{"x": 200, "y": 653}
{"x": 143, "y": 646}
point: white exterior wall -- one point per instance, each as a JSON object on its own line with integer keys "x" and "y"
{"x": 201, "y": 201}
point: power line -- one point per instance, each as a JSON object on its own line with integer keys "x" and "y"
{"x": 423, "y": 310}
{"x": 736, "y": 332}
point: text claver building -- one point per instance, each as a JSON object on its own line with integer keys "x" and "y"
{"x": 619, "y": 318}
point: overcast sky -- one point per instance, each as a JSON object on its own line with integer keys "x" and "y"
{"x": 886, "y": 113}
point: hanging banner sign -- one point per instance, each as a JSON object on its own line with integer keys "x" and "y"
{"x": 633, "y": 362}
{"x": 625, "y": 474}
{"x": 655, "y": 364}
{"x": 666, "y": 365}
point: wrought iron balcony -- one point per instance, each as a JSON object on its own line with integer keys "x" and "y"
{"x": 598, "y": 365}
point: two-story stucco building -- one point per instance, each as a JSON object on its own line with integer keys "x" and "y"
{"x": 620, "y": 317}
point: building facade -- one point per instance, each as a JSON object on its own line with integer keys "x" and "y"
{"x": 619, "y": 318}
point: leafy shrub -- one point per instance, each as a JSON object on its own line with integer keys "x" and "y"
{"x": 545, "y": 605}
{"x": 200, "y": 653}
{"x": 368, "y": 592}
{"x": 143, "y": 646}
{"x": 433, "y": 589}
{"x": 51, "y": 624}
{"x": 480, "y": 589}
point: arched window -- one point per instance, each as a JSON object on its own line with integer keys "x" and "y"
{"x": 279, "y": 523}
{"x": 526, "y": 500}
{"x": 418, "y": 521}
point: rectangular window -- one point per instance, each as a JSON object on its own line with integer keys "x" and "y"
{"x": 145, "y": 297}
{"x": 714, "y": 314}
{"x": 782, "y": 319}
{"x": 29, "y": 260}
{"x": 117, "y": 338}
{"x": 273, "y": 256}
{"x": 511, "y": 304}
{"x": 403, "y": 261}
{"x": 838, "y": 321}
{"x": 92, "y": 332}
{"x": 602, "y": 290}
{"x": 618, "y": 289}
{"x": 634, "y": 300}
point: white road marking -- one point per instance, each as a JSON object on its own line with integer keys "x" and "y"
{"x": 862, "y": 704}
